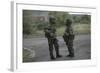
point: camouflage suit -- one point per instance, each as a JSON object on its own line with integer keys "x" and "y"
{"x": 50, "y": 34}
{"x": 69, "y": 37}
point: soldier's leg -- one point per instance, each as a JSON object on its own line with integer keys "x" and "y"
{"x": 70, "y": 49}
{"x": 56, "y": 48}
{"x": 51, "y": 49}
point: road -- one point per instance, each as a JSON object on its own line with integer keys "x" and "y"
{"x": 82, "y": 46}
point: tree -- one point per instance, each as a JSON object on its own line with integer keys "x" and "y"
{"x": 60, "y": 17}
{"x": 27, "y": 22}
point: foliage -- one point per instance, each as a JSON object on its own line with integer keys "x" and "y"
{"x": 33, "y": 26}
{"x": 27, "y": 22}
{"x": 83, "y": 19}
{"x": 60, "y": 17}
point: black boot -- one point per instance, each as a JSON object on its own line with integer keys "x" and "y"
{"x": 70, "y": 55}
{"x": 71, "y": 51}
{"x": 58, "y": 56}
{"x": 53, "y": 58}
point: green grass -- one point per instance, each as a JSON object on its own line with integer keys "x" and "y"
{"x": 82, "y": 29}
{"x": 60, "y": 31}
{"x": 78, "y": 29}
{"x": 28, "y": 56}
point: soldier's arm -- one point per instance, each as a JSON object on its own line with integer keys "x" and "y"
{"x": 72, "y": 35}
{"x": 66, "y": 33}
{"x": 46, "y": 30}
{"x": 71, "y": 32}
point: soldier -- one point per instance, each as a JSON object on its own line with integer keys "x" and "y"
{"x": 69, "y": 37}
{"x": 50, "y": 34}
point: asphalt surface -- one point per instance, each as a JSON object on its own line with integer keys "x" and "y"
{"x": 82, "y": 47}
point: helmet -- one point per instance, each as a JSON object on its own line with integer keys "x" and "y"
{"x": 68, "y": 22}
{"x": 52, "y": 20}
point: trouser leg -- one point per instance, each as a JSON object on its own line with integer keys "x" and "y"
{"x": 56, "y": 48}
{"x": 70, "y": 48}
{"x": 51, "y": 50}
